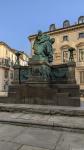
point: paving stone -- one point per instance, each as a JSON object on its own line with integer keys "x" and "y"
{"x": 47, "y": 120}
{"x": 41, "y": 117}
{"x": 71, "y": 141}
{"x": 5, "y": 115}
{"x": 8, "y": 132}
{"x": 15, "y": 115}
{"x": 29, "y": 138}
{"x": 58, "y": 119}
{"x": 9, "y": 146}
{"x": 68, "y": 121}
{"x": 25, "y": 116}
{"x": 37, "y": 137}
{"x": 25, "y": 147}
{"x": 35, "y": 117}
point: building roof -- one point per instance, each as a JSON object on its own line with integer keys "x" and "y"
{"x": 5, "y": 44}
{"x": 59, "y": 30}
{"x": 11, "y": 49}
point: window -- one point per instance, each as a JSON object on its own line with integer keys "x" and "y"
{"x": 66, "y": 24}
{"x": 11, "y": 75}
{"x": 65, "y": 38}
{"x": 7, "y": 52}
{"x": 6, "y": 74}
{"x": 52, "y": 27}
{"x": 81, "y": 55}
{"x": 81, "y": 76}
{"x": 7, "y": 62}
{"x": 81, "y": 19}
{"x": 81, "y": 35}
{"x": 65, "y": 56}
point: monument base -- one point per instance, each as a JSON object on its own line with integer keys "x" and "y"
{"x": 42, "y": 84}
{"x": 44, "y": 94}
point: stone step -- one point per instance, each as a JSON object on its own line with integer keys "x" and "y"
{"x": 62, "y": 99}
{"x": 42, "y": 109}
{"x": 43, "y": 116}
{"x": 62, "y": 123}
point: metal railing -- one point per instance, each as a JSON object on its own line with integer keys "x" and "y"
{"x": 5, "y": 62}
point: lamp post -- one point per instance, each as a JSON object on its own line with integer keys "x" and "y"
{"x": 17, "y": 64}
{"x": 18, "y": 56}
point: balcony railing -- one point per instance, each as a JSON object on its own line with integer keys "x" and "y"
{"x": 80, "y": 64}
{"x": 4, "y": 62}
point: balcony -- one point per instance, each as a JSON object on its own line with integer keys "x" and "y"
{"x": 4, "y": 62}
{"x": 80, "y": 64}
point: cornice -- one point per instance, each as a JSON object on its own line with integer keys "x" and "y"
{"x": 64, "y": 46}
{"x": 80, "y": 44}
{"x": 11, "y": 49}
{"x": 60, "y": 30}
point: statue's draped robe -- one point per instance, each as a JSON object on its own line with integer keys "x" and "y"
{"x": 43, "y": 47}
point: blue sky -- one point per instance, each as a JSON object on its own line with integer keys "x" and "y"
{"x": 21, "y": 18}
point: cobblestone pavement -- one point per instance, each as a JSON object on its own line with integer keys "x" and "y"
{"x": 28, "y": 138}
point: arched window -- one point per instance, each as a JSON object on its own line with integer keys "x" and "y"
{"x": 52, "y": 27}
{"x": 81, "y": 19}
{"x": 80, "y": 50}
{"x": 66, "y": 24}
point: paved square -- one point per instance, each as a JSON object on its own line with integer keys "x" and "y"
{"x": 8, "y": 132}
{"x": 37, "y": 137}
{"x": 71, "y": 141}
{"x": 8, "y": 146}
{"x": 14, "y": 137}
{"x": 25, "y": 147}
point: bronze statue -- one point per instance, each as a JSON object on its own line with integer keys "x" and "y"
{"x": 71, "y": 57}
{"x": 43, "y": 49}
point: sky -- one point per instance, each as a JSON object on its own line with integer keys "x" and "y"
{"x": 22, "y": 18}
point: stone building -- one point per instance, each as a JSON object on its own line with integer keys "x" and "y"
{"x": 65, "y": 37}
{"x": 7, "y": 61}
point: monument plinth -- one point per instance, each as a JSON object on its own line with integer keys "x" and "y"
{"x": 40, "y": 71}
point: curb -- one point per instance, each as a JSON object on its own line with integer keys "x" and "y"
{"x": 45, "y": 111}
{"x": 46, "y": 125}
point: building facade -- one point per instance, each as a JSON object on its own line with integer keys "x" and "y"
{"x": 65, "y": 37}
{"x": 8, "y": 59}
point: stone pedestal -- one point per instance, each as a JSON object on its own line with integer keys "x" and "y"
{"x": 16, "y": 75}
{"x": 43, "y": 84}
{"x": 45, "y": 94}
{"x": 40, "y": 71}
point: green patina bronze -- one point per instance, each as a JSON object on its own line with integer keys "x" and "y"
{"x": 24, "y": 74}
{"x": 43, "y": 50}
{"x": 58, "y": 73}
{"x": 18, "y": 53}
{"x": 43, "y": 56}
{"x": 40, "y": 64}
